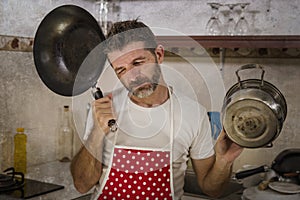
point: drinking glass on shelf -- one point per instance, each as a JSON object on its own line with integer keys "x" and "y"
{"x": 214, "y": 25}
{"x": 230, "y": 26}
{"x": 102, "y": 14}
{"x": 242, "y": 27}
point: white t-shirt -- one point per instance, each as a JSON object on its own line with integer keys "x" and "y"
{"x": 150, "y": 128}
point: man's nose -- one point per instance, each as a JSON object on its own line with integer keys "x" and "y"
{"x": 133, "y": 72}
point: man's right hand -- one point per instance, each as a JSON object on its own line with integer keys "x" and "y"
{"x": 103, "y": 112}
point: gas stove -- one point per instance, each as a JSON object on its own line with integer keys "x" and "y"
{"x": 13, "y": 185}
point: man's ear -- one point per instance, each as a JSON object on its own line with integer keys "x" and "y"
{"x": 160, "y": 53}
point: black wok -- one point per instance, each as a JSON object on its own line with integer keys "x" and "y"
{"x": 63, "y": 40}
{"x": 286, "y": 164}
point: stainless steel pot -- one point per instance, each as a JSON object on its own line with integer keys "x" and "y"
{"x": 253, "y": 111}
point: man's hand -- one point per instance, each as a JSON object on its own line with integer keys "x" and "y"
{"x": 227, "y": 150}
{"x": 103, "y": 112}
{"x": 214, "y": 173}
{"x": 86, "y": 166}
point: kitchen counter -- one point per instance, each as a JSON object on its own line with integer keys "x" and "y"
{"x": 59, "y": 173}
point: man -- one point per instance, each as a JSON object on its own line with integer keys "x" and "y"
{"x": 159, "y": 129}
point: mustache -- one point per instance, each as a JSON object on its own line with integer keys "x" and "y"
{"x": 139, "y": 81}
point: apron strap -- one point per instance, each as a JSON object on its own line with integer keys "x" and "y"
{"x": 171, "y": 139}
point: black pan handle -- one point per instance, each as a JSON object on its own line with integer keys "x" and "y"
{"x": 250, "y": 172}
{"x": 98, "y": 94}
{"x": 112, "y": 122}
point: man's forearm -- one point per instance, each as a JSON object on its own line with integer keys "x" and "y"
{"x": 86, "y": 166}
{"x": 217, "y": 178}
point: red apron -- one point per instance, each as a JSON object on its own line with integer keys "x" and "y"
{"x": 139, "y": 173}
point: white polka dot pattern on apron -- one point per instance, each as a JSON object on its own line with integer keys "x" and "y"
{"x": 138, "y": 174}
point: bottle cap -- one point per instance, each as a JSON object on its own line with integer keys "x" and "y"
{"x": 66, "y": 108}
{"x": 20, "y": 129}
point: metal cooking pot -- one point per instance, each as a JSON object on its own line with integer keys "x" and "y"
{"x": 63, "y": 40}
{"x": 253, "y": 111}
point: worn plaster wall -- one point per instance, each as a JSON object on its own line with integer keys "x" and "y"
{"x": 25, "y": 101}
{"x": 190, "y": 17}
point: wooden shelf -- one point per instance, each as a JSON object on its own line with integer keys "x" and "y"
{"x": 15, "y": 43}
{"x": 261, "y": 41}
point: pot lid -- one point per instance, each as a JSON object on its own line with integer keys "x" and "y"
{"x": 63, "y": 40}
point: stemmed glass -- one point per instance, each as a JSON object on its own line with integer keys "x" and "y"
{"x": 102, "y": 14}
{"x": 242, "y": 26}
{"x": 230, "y": 26}
{"x": 213, "y": 26}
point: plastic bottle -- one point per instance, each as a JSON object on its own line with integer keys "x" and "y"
{"x": 20, "y": 153}
{"x": 65, "y": 141}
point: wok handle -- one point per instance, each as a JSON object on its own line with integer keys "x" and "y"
{"x": 98, "y": 94}
{"x": 112, "y": 122}
{"x": 250, "y": 66}
{"x": 250, "y": 172}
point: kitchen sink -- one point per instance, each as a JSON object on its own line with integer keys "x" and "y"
{"x": 191, "y": 188}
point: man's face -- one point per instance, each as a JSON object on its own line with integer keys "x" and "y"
{"x": 137, "y": 68}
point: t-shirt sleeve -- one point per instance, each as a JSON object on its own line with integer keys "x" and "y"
{"x": 202, "y": 146}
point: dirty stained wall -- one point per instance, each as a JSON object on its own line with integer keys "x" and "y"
{"x": 26, "y": 101}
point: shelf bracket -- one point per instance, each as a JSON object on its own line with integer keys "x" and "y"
{"x": 222, "y": 60}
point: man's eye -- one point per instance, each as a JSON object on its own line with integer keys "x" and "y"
{"x": 138, "y": 63}
{"x": 120, "y": 71}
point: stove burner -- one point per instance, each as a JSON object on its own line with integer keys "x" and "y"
{"x": 11, "y": 180}
{"x": 6, "y": 181}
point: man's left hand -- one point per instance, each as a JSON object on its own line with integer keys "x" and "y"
{"x": 226, "y": 149}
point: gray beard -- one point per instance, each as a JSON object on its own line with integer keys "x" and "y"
{"x": 144, "y": 92}
{"x": 147, "y": 90}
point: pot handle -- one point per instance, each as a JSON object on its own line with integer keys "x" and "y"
{"x": 250, "y": 66}
{"x": 250, "y": 172}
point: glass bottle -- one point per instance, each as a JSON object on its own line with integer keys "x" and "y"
{"x": 20, "y": 153}
{"x": 65, "y": 141}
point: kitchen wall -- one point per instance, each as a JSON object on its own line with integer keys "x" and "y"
{"x": 26, "y": 101}
{"x": 281, "y": 72}
{"x": 190, "y": 17}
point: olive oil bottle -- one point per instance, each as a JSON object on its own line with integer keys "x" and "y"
{"x": 20, "y": 153}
